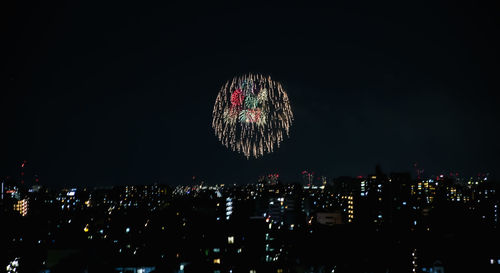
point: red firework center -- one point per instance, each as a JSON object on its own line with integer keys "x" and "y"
{"x": 237, "y": 98}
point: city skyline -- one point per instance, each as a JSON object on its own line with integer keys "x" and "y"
{"x": 28, "y": 177}
{"x": 379, "y": 223}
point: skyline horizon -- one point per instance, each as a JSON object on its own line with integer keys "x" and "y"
{"x": 286, "y": 177}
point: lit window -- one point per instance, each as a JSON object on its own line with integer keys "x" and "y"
{"x": 216, "y": 261}
{"x": 230, "y": 240}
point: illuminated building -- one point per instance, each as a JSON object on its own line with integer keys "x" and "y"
{"x": 13, "y": 266}
{"x": 364, "y": 188}
{"x": 276, "y": 210}
{"x": 22, "y": 207}
{"x": 350, "y": 207}
{"x": 13, "y": 192}
{"x": 495, "y": 215}
{"x": 229, "y": 208}
{"x": 414, "y": 260}
{"x": 373, "y": 206}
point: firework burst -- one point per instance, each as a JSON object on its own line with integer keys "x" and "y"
{"x": 252, "y": 115}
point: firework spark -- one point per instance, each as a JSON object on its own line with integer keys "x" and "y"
{"x": 252, "y": 114}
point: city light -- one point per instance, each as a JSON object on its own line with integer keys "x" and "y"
{"x": 262, "y": 220}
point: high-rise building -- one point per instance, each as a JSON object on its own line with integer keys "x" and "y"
{"x": 229, "y": 208}
{"x": 350, "y": 207}
{"x": 22, "y": 206}
{"x": 276, "y": 210}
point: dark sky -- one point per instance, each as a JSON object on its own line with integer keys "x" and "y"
{"x": 105, "y": 93}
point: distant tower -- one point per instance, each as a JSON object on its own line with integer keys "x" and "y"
{"x": 308, "y": 178}
{"x": 418, "y": 171}
{"x": 22, "y": 171}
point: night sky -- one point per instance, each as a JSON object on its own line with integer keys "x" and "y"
{"x": 100, "y": 93}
